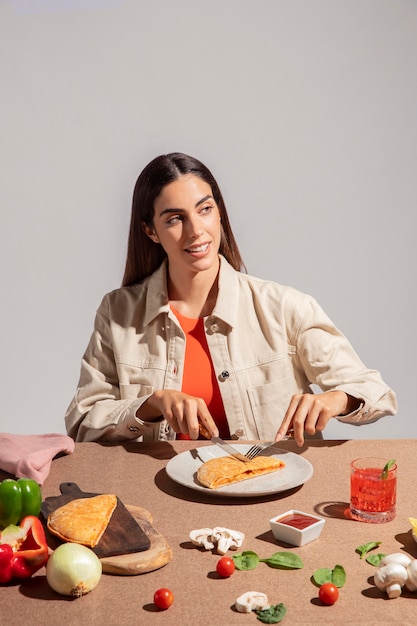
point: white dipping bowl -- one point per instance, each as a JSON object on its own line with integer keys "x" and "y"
{"x": 296, "y": 536}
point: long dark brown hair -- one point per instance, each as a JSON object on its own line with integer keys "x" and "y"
{"x": 143, "y": 255}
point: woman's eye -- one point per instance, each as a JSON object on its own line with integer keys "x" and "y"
{"x": 206, "y": 209}
{"x": 174, "y": 219}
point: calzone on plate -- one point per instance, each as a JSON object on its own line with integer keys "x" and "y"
{"x": 226, "y": 470}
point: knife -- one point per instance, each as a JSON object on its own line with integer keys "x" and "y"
{"x": 223, "y": 445}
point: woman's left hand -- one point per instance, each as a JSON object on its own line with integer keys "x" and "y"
{"x": 311, "y": 412}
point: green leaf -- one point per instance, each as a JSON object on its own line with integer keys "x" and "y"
{"x": 284, "y": 560}
{"x": 273, "y": 615}
{"x": 322, "y": 575}
{"x": 387, "y": 468}
{"x": 246, "y": 560}
{"x": 337, "y": 576}
{"x": 375, "y": 559}
{"x": 367, "y": 547}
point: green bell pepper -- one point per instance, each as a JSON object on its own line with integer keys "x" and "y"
{"x": 18, "y": 498}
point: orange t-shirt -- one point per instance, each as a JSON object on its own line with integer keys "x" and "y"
{"x": 199, "y": 378}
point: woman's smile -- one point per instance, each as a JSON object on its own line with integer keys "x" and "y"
{"x": 199, "y": 250}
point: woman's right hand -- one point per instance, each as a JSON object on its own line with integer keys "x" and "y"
{"x": 182, "y": 412}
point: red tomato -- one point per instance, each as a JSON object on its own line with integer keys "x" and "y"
{"x": 328, "y": 593}
{"x": 225, "y": 567}
{"x": 163, "y": 598}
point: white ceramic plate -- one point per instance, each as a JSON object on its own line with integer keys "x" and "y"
{"x": 183, "y": 468}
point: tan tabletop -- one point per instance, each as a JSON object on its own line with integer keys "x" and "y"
{"x": 136, "y": 473}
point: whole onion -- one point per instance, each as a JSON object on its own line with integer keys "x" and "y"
{"x": 73, "y": 570}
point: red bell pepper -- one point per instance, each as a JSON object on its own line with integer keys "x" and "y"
{"x": 23, "y": 549}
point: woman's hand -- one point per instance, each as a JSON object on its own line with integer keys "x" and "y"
{"x": 182, "y": 412}
{"x": 311, "y": 412}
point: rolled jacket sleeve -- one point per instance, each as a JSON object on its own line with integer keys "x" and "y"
{"x": 97, "y": 411}
{"x": 330, "y": 362}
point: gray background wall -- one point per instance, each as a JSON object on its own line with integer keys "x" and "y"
{"x": 305, "y": 110}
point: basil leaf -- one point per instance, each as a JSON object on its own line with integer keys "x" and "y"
{"x": 284, "y": 560}
{"x": 322, "y": 575}
{"x": 375, "y": 559}
{"x": 367, "y": 547}
{"x": 337, "y": 576}
{"x": 246, "y": 560}
{"x": 387, "y": 468}
{"x": 273, "y": 615}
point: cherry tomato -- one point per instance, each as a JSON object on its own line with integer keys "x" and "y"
{"x": 225, "y": 567}
{"x": 328, "y": 593}
{"x": 163, "y": 598}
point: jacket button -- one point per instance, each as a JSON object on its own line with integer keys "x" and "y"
{"x": 214, "y": 328}
{"x": 239, "y": 432}
{"x": 224, "y": 375}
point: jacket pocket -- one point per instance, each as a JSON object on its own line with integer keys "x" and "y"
{"x": 269, "y": 403}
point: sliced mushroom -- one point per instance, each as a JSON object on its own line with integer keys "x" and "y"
{"x": 252, "y": 601}
{"x": 226, "y": 539}
{"x": 202, "y": 537}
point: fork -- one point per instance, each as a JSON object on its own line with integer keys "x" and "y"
{"x": 256, "y": 449}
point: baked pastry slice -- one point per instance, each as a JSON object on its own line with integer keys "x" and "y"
{"x": 226, "y": 470}
{"x": 83, "y": 520}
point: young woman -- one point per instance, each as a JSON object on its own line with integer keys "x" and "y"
{"x": 190, "y": 338}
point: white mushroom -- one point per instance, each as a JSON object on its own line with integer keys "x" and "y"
{"x": 226, "y": 539}
{"x": 202, "y": 537}
{"x": 411, "y": 583}
{"x": 391, "y": 578}
{"x": 396, "y": 557}
{"x": 252, "y": 601}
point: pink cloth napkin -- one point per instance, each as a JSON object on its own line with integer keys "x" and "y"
{"x": 30, "y": 456}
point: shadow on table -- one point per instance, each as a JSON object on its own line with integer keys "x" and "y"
{"x": 409, "y": 544}
{"x": 268, "y": 537}
{"x": 37, "y": 587}
{"x": 335, "y": 510}
{"x": 163, "y": 451}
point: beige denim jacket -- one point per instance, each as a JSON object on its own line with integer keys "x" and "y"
{"x": 267, "y": 342}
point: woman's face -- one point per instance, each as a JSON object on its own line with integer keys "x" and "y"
{"x": 187, "y": 225}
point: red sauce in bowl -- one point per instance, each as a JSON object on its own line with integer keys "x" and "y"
{"x": 297, "y": 520}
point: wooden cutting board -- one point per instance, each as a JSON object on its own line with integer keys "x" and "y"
{"x": 158, "y": 555}
{"x": 148, "y": 549}
{"x": 123, "y": 534}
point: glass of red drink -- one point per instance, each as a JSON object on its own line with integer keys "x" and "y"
{"x": 373, "y": 490}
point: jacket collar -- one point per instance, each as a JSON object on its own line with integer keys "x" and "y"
{"x": 227, "y": 300}
{"x": 228, "y": 297}
{"x": 157, "y": 298}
